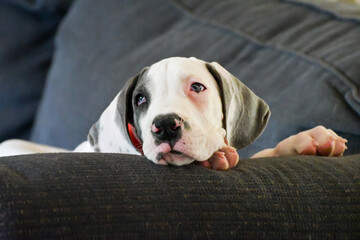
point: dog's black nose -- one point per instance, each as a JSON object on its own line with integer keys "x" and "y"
{"x": 167, "y": 127}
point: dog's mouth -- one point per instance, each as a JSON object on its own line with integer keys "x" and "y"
{"x": 175, "y": 157}
{"x": 176, "y": 152}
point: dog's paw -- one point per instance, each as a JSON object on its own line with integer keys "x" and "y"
{"x": 223, "y": 159}
{"x": 316, "y": 141}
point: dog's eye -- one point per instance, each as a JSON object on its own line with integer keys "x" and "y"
{"x": 197, "y": 87}
{"x": 140, "y": 99}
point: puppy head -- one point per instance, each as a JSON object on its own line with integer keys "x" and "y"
{"x": 177, "y": 112}
{"x": 180, "y": 110}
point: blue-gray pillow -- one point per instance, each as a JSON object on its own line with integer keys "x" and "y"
{"x": 26, "y": 47}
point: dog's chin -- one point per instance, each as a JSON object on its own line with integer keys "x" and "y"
{"x": 177, "y": 158}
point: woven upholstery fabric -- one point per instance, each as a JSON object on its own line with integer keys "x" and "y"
{"x": 74, "y": 195}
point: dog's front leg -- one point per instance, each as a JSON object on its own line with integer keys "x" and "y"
{"x": 316, "y": 141}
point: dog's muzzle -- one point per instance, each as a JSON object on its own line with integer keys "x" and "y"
{"x": 167, "y": 128}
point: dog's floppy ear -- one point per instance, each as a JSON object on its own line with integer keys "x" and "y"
{"x": 245, "y": 114}
{"x": 111, "y": 133}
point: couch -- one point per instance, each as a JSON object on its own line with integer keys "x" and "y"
{"x": 62, "y": 62}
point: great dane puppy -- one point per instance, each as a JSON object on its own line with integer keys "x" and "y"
{"x": 184, "y": 110}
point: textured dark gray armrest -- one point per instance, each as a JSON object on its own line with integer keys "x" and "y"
{"x": 75, "y": 195}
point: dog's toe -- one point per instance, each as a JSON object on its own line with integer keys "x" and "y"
{"x": 231, "y": 155}
{"x": 219, "y": 161}
{"x": 223, "y": 159}
{"x": 329, "y": 143}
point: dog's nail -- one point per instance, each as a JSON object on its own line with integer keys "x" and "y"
{"x": 232, "y": 148}
{"x": 219, "y": 154}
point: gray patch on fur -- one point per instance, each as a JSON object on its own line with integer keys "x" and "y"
{"x": 93, "y": 137}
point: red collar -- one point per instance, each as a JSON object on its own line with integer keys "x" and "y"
{"x": 134, "y": 138}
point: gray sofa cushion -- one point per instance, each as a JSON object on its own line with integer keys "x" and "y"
{"x": 343, "y": 8}
{"x": 26, "y": 47}
{"x": 302, "y": 61}
{"x": 115, "y": 196}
